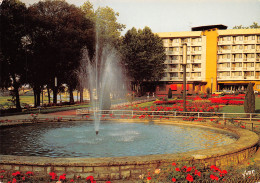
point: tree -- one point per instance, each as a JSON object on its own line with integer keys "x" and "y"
{"x": 56, "y": 44}
{"x": 107, "y": 31}
{"x": 170, "y": 93}
{"x": 144, "y": 56}
{"x": 249, "y": 103}
{"x": 12, "y": 60}
{"x": 253, "y": 26}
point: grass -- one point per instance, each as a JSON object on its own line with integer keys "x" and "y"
{"x": 240, "y": 108}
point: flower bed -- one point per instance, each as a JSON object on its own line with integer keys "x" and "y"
{"x": 181, "y": 172}
{"x": 225, "y": 102}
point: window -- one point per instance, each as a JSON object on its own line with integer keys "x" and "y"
{"x": 240, "y": 47}
{"x": 252, "y": 64}
{"x": 228, "y": 38}
{"x": 252, "y": 46}
{"x": 253, "y": 37}
{"x": 199, "y": 39}
{"x": 175, "y": 57}
{"x": 240, "y": 38}
{"x": 228, "y": 56}
{"x": 199, "y": 48}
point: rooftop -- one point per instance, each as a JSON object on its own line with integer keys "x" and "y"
{"x": 207, "y": 27}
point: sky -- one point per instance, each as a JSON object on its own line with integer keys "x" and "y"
{"x": 178, "y": 15}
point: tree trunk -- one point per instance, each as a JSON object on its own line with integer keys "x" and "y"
{"x": 71, "y": 95}
{"x": 55, "y": 95}
{"x": 38, "y": 95}
{"x": 17, "y": 97}
{"x": 49, "y": 96}
{"x": 35, "y": 98}
{"x": 81, "y": 95}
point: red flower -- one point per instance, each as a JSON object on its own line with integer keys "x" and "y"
{"x": 197, "y": 173}
{"x": 71, "y": 180}
{"x": 173, "y": 180}
{"x": 16, "y": 173}
{"x": 224, "y": 172}
{"x": 188, "y": 169}
{"x": 62, "y": 177}
{"x": 91, "y": 178}
{"x": 14, "y": 180}
{"x": 1, "y": 177}
{"x": 213, "y": 177}
{"x": 189, "y": 178}
{"x": 108, "y": 182}
{"x": 173, "y": 164}
{"x": 53, "y": 175}
{"x": 177, "y": 169}
{"x": 29, "y": 173}
{"x": 149, "y": 178}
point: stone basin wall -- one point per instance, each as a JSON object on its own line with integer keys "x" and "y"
{"x": 120, "y": 168}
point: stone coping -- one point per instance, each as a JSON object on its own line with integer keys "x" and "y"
{"x": 245, "y": 146}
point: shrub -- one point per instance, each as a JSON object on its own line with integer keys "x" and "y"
{"x": 249, "y": 104}
{"x": 170, "y": 93}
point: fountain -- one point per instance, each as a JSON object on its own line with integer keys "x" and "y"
{"x": 105, "y": 80}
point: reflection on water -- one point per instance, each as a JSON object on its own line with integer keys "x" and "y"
{"x": 78, "y": 139}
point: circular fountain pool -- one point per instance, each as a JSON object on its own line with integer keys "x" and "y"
{"x": 115, "y": 139}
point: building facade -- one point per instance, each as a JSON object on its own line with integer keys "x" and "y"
{"x": 217, "y": 58}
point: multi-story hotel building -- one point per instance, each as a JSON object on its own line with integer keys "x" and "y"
{"x": 217, "y": 58}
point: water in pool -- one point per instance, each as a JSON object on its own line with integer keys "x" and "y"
{"x": 78, "y": 139}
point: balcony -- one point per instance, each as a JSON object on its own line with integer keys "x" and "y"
{"x": 223, "y": 68}
{"x": 224, "y": 51}
{"x": 195, "y": 61}
{"x": 249, "y": 77}
{"x": 249, "y": 50}
{"x": 196, "y": 69}
{"x": 223, "y": 60}
{"x": 238, "y": 42}
{"x": 224, "y": 42}
{"x": 172, "y": 69}
{"x": 248, "y": 68}
{"x": 236, "y": 60}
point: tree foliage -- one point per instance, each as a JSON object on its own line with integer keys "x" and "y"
{"x": 253, "y": 26}
{"x": 249, "y": 103}
{"x": 144, "y": 55}
{"x": 58, "y": 33}
{"x": 12, "y": 58}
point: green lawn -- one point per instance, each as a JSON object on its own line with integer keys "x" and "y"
{"x": 240, "y": 108}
